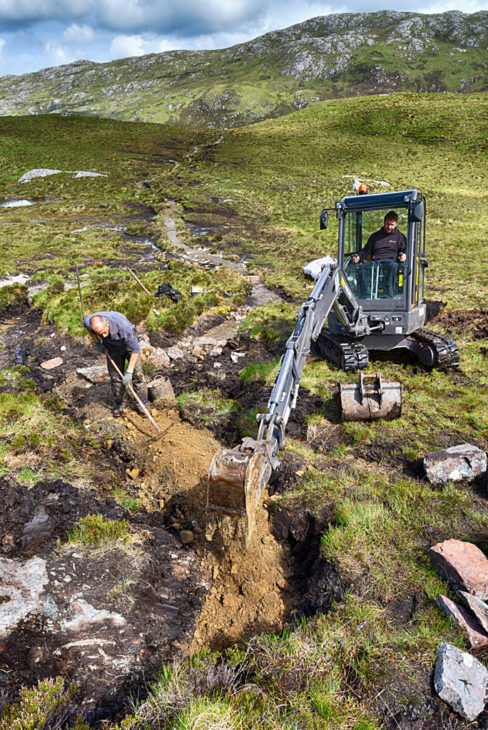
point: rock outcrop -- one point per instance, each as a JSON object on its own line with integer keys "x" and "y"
{"x": 341, "y": 54}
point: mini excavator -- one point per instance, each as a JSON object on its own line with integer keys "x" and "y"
{"x": 364, "y": 314}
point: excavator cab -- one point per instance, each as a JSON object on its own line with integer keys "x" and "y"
{"x": 387, "y": 289}
{"x": 388, "y": 293}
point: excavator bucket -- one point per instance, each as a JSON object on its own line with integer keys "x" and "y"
{"x": 237, "y": 479}
{"x": 370, "y": 399}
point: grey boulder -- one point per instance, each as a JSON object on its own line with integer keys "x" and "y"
{"x": 461, "y": 681}
{"x": 456, "y": 464}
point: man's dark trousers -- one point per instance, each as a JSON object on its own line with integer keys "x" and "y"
{"x": 121, "y": 357}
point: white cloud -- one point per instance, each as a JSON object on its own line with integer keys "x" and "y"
{"x": 40, "y": 33}
{"x": 75, "y": 33}
{"x": 123, "y": 46}
{"x": 56, "y": 53}
{"x": 190, "y": 16}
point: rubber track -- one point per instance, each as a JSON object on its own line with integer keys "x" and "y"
{"x": 446, "y": 350}
{"x": 342, "y": 353}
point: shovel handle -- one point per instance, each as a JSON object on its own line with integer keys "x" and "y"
{"x": 134, "y": 394}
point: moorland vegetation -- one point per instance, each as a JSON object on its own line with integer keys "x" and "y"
{"x": 257, "y": 192}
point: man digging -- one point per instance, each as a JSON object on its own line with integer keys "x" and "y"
{"x": 113, "y": 334}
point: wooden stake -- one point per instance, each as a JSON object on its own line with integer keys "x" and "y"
{"x": 139, "y": 281}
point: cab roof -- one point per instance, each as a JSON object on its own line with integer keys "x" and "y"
{"x": 378, "y": 200}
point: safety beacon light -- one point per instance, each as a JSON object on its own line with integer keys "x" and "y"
{"x": 362, "y": 188}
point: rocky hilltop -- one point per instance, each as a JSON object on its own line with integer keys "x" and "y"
{"x": 333, "y": 56}
{"x": 339, "y": 55}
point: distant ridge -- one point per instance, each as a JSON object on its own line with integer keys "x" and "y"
{"x": 339, "y": 55}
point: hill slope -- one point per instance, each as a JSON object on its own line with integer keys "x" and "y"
{"x": 325, "y": 57}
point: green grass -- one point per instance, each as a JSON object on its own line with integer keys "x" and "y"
{"x": 96, "y": 531}
{"x": 205, "y": 406}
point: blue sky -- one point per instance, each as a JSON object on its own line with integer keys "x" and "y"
{"x": 35, "y": 34}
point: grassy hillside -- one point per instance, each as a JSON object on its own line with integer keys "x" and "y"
{"x": 257, "y": 192}
{"x": 326, "y": 57}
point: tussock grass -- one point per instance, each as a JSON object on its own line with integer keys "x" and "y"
{"x": 96, "y": 531}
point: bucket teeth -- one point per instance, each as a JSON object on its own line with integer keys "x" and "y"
{"x": 370, "y": 399}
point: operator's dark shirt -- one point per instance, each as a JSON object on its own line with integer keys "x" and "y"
{"x": 122, "y": 332}
{"x": 383, "y": 246}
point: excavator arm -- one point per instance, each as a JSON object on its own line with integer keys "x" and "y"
{"x": 331, "y": 291}
{"x": 238, "y": 477}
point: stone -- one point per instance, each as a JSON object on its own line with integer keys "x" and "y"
{"x": 477, "y": 606}
{"x": 85, "y": 616}
{"x": 21, "y": 588}
{"x": 198, "y": 352}
{"x": 458, "y": 463}
{"x": 186, "y": 537}
{"x": 463, "y": 565}
{"x": 205, "y": 341}
{"x": 133, "y": 473}
{"x": 461, "y": 681}
{"x": 159, "y": 358}
{"x": 477, "y": 636}
{"x": 54, "y": 362}
{"x": 94, "y": 374}
{"x": 175, "y": 353}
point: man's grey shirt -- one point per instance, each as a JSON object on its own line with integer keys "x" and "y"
{"x": 122, "y": 332}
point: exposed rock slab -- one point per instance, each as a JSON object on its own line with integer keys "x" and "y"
{"x": 461, "y": 681}
{"x": 47, "y": 172}
{"x": 94, "y": 374}
{"x": 477, "y": 636}
{"x": 462, "y": 564}
{"x": 85, "y": 616}
{"x": 458, "y": 463}
{"x": 21, "y": 587}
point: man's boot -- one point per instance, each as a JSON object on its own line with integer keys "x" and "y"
{"x": 118, "y": 409}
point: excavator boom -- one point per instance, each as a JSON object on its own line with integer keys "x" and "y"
{"x": 238, "y": 477}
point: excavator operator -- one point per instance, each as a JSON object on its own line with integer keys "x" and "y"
{"x": 386, "y": 246}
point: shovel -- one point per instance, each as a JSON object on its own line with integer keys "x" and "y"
{"x": 370, "y": 399}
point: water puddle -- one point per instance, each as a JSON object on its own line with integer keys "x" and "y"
{"x": 197, "y": 230}
{"x": 141, "y": 240}
{"x": 19, "y": 279}
{"x": 16, "y": 203}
